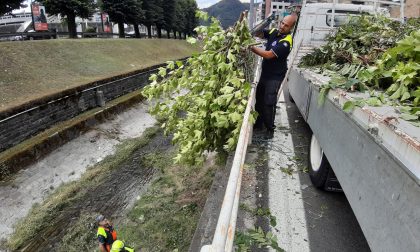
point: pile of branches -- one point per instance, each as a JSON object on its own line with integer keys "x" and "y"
{"x": 375, "y": 54}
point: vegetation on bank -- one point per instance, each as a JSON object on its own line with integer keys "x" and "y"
{"x": 165, "y": 218}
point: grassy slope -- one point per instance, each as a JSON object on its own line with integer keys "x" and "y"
{"x": 33, "y": 69}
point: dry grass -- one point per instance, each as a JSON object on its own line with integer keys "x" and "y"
{"x": 33, "y": 69}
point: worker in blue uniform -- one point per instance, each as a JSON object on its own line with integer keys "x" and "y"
{"x": 274, "y": 68}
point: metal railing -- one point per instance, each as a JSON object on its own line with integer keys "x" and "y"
{"x": 53, "y": 35}
{"x": 225, "y": 229}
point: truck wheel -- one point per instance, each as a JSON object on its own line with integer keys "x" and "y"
{"x": 291, "y": 98}
{"x": 319, "y": 166}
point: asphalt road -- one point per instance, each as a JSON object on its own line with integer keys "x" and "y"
{"x": 275, "y": 178}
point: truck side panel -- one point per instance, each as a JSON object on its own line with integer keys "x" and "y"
{"x": 300, "y": 91}
{"x": 383, "y": 196}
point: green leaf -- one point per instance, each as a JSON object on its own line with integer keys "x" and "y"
{"x": 348, "y": 106}
{"x": 409, "y": 117}
{"x": 374, "y": 101}
{"x": 273, "y": 221}
{"x": 323, "y": 94}
{"x": 179, "y": 63}
{"x": 405, "y": 96}
{"x": 235, "y": 117}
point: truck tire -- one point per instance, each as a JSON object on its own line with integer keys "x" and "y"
{"x": 290, "y": 98}
{"x": 289, "y": 95}
{"x": 319, "y": 167}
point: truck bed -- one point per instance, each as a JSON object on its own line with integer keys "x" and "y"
{"x": 399, "y": 137}
{"x": 374, "y": 154}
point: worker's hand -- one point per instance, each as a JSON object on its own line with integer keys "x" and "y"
{"x": 245, "y": 49}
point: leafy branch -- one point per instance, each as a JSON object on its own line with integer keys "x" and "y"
{"x": 203, "y": 101}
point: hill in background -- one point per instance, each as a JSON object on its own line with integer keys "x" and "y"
{"x": 227, "y": 11}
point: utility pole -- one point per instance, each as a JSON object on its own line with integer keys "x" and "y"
{"x": 251, "y": 14}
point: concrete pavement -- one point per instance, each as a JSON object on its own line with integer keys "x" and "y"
{"x": 276, "y": 178}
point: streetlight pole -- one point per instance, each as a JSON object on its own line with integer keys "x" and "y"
{"x": 251, "y": 14}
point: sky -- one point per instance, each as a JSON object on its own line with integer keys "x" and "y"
{"x": 207, "y": 3}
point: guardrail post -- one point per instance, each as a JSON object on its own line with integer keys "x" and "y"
{"x": 100, "y": 98}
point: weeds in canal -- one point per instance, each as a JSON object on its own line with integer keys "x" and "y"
{"x": 165, "y": 218}
{"x": 82, "y": 235}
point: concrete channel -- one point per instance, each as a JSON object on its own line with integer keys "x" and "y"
{"x": 54, "y": 140}
{"x": 67, "y": 163}
{"x": 21, "y": 124}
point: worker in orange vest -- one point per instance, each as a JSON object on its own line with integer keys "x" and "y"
{"x": 106, "y": 234}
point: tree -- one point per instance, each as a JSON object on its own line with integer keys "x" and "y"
{"x": 7, "y": 6}
{"x": 70, "y": 9}
{"x": 169, "y": 16}
{"x": 124, "y": 11}
{"x": 191, "y": 21}
{"x": 160, "y": 19}
{"x": 153, "y": 14}
{"x": 180, "y": 19}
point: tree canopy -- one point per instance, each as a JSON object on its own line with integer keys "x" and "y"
{"x": 70, "y": 9}
{"x": 7, "y": 6}
{"x": 171, "y": 15}
{"x": 124, "y": 11}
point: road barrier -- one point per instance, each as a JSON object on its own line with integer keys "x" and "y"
{"x": 225, "y": 229}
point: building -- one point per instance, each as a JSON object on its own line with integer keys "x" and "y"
{"x": 411, "y": 7}
{"x": 15, "y": 22}
{"x": 277, "y": 6}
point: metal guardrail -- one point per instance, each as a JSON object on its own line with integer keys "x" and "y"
{"x": 26, "y": 35}
{"x": 225, "y": 229}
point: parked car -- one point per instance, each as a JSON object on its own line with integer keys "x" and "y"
{"x": 37, "y": 35}
{"x": 27, "y": 33}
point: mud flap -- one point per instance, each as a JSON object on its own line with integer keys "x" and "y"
{"x": 332, "y": 184}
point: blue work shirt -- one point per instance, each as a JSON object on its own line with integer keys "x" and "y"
{"x": 275, "y": 68}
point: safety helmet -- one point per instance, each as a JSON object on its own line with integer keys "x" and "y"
{"x": 100, "y": 218}
{"x": 117, "y": 246}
